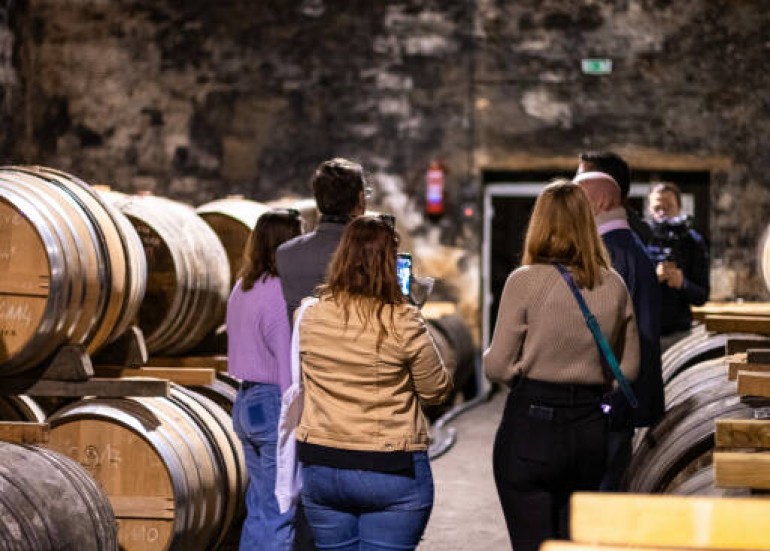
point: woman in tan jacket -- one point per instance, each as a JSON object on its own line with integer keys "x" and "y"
{"x": 552, "y": 437}
{"x": 368, "y": 363}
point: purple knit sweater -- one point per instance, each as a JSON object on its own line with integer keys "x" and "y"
{"x": 258, "y": 334}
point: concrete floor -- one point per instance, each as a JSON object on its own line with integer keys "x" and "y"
{"x": 466, "y": 514}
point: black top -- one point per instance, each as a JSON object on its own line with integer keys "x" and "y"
{"x": 631, "y": 261}
{"x": 396, "y": 462}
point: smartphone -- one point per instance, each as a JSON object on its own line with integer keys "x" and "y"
{"x": 404, "y": 272}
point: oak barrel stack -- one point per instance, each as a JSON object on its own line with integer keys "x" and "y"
{"x": 172, "y": 467}
{"x": 71, "y": 269}
{"x": 232, "y": 219}
{"x": 188, "y": 273}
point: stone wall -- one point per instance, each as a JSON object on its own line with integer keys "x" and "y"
{"x": 688, "y": 91}
{"x": 197, "y": 99}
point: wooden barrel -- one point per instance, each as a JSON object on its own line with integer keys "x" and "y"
{"x": 172, "y": 468}
{"x": 697, "y": 479}
{"x": 699, "y": 345}
{"x": 232, "y": 219}
{"x": 222, "y": 391}
{"x": 763, "y": 256}
{"x": 455, "y": 346}
{"x": 20, "y": 408}
{"x": 694, "y": 400}
{"x": 49, "y": 502}
{"x": 71, "y": 271}
{"x": 188, "y": 274}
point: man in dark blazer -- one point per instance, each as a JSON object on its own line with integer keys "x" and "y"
{"x": 631, "y": 260}
{"x": 340, "y": 191}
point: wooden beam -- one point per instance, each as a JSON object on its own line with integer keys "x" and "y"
{"x": 742, "y": 433}
{"x": 214, "y": 362}
{"x": 731, "y": 309}
{"x": 23, "y": 432}
{"x": 753, "y": 384}
{"x": 670, "y": 521}
{"x": 738, "y": 324}
{"x": 561, "y": 545}
{"x": 185, "y": 376}
{"x": 735, "y": 345}
{"x": 103, "y": 388}
{"x": 758, "y": 355}
{"x": 735, "y": 367}
{"x": 148, "y": 507}
{"x": 742, "y": 470}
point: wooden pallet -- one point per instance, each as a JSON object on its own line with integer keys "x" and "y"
{"x": 606, "y": 522}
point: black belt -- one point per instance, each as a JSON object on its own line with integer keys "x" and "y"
{"x": 246, "y": 385}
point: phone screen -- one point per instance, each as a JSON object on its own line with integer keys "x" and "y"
{"x": 404, "y": 272}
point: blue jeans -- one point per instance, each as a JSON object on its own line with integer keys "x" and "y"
{"x": 352, "y": 510}
{"x": 255, "y": 421}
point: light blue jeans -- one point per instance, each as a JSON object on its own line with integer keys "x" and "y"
{"x": 255, "y": 421}
{"x": 353, "y": 510}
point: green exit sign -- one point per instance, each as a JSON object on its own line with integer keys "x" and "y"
{"x": 596, "y": 66}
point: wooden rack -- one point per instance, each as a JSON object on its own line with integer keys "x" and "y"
{"x": 121, "y": 369}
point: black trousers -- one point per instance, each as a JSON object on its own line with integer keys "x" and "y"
{"x": 551, "y": 442}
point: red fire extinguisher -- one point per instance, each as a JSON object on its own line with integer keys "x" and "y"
{"x": 434, "y": 190}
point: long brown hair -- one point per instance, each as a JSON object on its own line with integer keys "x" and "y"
{"x": 562, "y": 229}
{"x": 271, "y": 229}
{"x": 362, "y": 273}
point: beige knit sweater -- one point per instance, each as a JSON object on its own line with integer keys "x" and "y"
{"x": 541, "y": 332}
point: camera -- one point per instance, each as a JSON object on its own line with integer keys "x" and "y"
{"x": 667, "y": 236}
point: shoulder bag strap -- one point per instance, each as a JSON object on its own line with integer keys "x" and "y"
{"x": 295, "y": 363}
{"x": 604, "y": 347}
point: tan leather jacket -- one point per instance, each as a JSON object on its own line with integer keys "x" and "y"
{"x": 361, "y": 398}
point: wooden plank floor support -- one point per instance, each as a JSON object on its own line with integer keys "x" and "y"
{"x": 747, "y": 309}
{"x": 19, "y": 432}
{"x": 742, "y": 459}
{"x": 744, "y": 469}
{"x": 753, "y": 384}
{"x": 742, "y": 433}
{"x": 185, "y": 376}
{"x": 735, "y": 366}
{"x": 561, "y": 545}
{"x": 214, "y": 362}
{"x": 104, "y": 388}
{"x": 670, "y": 521}
{"x": 738, "y": 324}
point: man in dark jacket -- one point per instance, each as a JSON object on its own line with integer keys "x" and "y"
{"x": 682, "y": 263}
{"x": 630, "y": 259}
{"x": 340, "y": 191}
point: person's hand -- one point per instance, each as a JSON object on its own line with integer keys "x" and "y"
{"x": 670, "y": 273}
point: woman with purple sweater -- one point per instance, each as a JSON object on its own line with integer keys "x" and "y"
{"x": 258, "y": 353}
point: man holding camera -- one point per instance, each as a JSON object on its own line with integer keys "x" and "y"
{"x": 681, "y": 261}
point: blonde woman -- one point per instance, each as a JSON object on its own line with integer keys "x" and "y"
{"x": 368, "y": 363}
{"x": 552, "y": 437}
